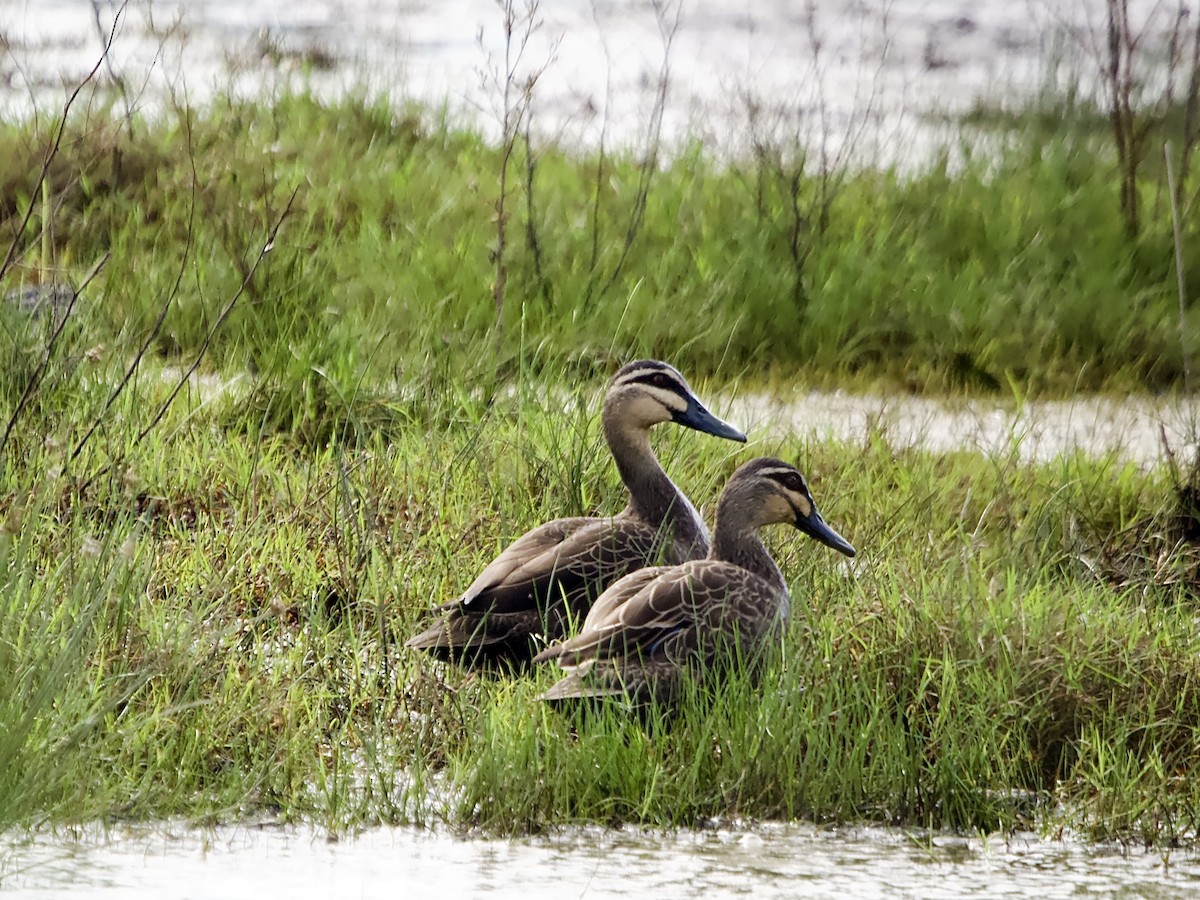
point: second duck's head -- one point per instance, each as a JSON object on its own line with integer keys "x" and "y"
{"x": 647, "y": 392}
{"x": 767, "y": 491}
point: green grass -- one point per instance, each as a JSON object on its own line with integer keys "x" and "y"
{"x": 969, "y": 673}
{"x": 217, "y": 632}
{"x": 205, "y": 596}
{"x": 1013, "y": 268}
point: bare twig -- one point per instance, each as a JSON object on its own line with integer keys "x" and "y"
{"x": 117, "y": 78}
{"x": 806, "y": 182}
{"x": 39, "y": 373}
{"x": 601, "y": 155}
{"x": 668, "y": 26}
{"x": 221, "y": 317}
{"x": 532, "y": 238}
{"x": 1130, "y": 117}
{"x": 1119, "y": 82}
{"x": 208, "y": 337}
{"x": 1179, "y": 276}
{"x": 53, "y": 151}
{"x": 1191, "y": 127}
{"x": 516, "y": 94}
{"x": 166, "y": 306}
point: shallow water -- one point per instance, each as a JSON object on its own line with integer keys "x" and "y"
{"x": 764, "y": 861}
{"x": 1144, "y": 430}
{"x": 854, "y": 70}
{"x": 1136, "y": 429}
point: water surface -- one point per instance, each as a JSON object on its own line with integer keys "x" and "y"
{"x": 763, "y": 861}
{"x": 858, "y": 72}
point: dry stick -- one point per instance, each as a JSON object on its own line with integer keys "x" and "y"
{"x": 52, "y": 153}
{"x": 1179, "y": 279}
{"x": 800, "y": 230}
{"x": 854, "y": 133}
{"x": 1120, "y": 86}
{"x": 601, "y": 162}
{"x": 1190, "y": 131}
{"x": 39, "y": 373}
{"x": 508, "y": 139}
{"x": 221, "y": 317}
{"x": 815, "y": 43}
{"x": 35, "y": 379}
{"x": 118, "y": 80}
{"x": 162, "y": 313}
{"x": 532, "y": 238}
{"x": 654, "y": 142}
{"x": 512, "y": 115}
{"x": 1174, "y": 54}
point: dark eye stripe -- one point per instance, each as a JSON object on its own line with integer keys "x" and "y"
{"x": 659, "y": 379}
{"x": 780, "y": 474}
{"x": 788, "y": 479}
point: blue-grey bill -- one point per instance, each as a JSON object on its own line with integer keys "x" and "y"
{"x": 814, "y": 526}
{"x": 696, "y": 416}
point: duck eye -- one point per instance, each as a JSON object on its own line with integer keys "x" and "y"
{"x": 794, "y": 483}
{"x": 660, "y": 380}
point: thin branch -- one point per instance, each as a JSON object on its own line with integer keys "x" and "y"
{"x": 531, "y": 231}
{"x": 1190, "y": 129}
{"x": 52, "y": 153}
{"x": 208, "y": 337}
{"x": 221, "y": 317}
{"x": 601, "y": 159}
{"x": 512, "y": 115}
{"x": 649, "y": 164}
{"x": 118, "y": 80}
{"x": 1179, "y": 276}
{"x": 39, "y": 373}
{"x": 156, "y": 329}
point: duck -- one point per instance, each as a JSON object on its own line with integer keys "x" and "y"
{"x": 543, "y": 583}
{"x": 656, "y": 627}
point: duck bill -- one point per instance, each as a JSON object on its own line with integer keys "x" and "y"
{"x": 814, "y": 526}
{"x": 696, "y": 416}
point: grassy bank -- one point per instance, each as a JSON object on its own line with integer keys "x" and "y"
{"x": 216, "y": 631}
{"x": 207, "y": 583}
{"x": 1013, "y": 267}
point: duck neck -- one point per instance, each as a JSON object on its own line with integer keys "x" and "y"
{"x": 737, "y": 541}
{"x": 653, "y": 497}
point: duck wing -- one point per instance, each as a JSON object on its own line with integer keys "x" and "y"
{"x": 654, "y": 613}
{"x": 556, "y": 560}
{"x": 538, "y": 586}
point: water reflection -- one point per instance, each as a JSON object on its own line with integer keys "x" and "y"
{"x": 766, "y": 861}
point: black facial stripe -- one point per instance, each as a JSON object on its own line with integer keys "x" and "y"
{"x": 657, "y": 378}
{"x": 777, "y": 474}
{"x": 786, "y": 478}
{"x": 793, "y": 485}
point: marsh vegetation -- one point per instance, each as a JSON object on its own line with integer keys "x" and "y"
{"x": 319, "y": 363}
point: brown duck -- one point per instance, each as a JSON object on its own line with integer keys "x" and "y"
{"x": 547, "y": 579}
{"x": 651, "y": 628}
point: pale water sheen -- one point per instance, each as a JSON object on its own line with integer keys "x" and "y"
{"x": 860, "y": 72}
{"x": 1143, "y": 430}
{"x": 165, "y": 861}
